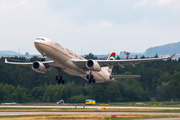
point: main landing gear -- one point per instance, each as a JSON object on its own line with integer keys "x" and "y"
{"x": 59, "y": 78}
{"x": 91, "y": 78}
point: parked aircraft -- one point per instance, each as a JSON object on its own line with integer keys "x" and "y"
{"x": 95, "y": 71}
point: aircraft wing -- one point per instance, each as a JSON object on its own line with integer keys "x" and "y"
{"x": 105, "y": 63}
{"x": 132, "y": 62}
{"x": 46, "y": 63}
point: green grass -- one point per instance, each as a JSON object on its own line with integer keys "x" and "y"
{"x": 141, "y": 117}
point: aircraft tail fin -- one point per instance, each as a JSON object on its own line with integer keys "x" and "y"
{"x": 110, "y": 67}
{"x": 112, "y": 56}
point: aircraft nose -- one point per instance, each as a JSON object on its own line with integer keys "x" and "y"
{"x": 38, "y": 41}
{"x": 39, "y": 44}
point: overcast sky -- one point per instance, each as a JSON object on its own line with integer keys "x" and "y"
{"x": 97, "y": 26}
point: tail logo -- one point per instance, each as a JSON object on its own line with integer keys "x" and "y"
{"x": 112, "y": 56}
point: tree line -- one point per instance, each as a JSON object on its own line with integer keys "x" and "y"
{"x": 160, "y": 81}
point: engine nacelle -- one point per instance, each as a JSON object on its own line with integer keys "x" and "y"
{"x": 39, "y": 67}
{"x": 93, "y": 65}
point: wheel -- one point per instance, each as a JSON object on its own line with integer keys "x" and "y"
{"x": 61, "y": 77}
{"x": 63, "y": 81}
{"x": 57, "y": 77}
{"x": 43, "y": 59}
{"x": 90, "y": 81}
{"x": 94, "y": 81}
{"x": 59, "y": 81}
{"x": 87, "y": 77}
{"x": 92, "y": 77}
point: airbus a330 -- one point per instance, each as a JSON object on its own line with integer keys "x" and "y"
{"x": 95, "y": 71}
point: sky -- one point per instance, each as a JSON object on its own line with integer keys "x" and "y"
{"x": 89, "y": 26}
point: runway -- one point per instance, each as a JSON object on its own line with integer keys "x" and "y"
{"x": 102, "y": 113}
{"x": 87, "y": 107}
{"x": 93, "y": 107}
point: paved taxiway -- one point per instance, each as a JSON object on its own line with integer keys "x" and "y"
{"x": 93, "y": 107}
{"x": 88, "y": 107}
{"x": 102, "y": 113}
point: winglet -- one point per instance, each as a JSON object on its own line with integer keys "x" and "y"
{"x": 172, "y": 55}
{"x": 6, "y": 60}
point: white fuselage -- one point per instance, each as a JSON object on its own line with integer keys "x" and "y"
{"x": 62, "y": 56}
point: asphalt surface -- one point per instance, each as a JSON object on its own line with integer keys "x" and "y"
{"x": 92, "y": 107}
{"x": 102, "y": 113}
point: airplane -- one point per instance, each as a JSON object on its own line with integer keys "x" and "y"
{"x": 95, "y": 71}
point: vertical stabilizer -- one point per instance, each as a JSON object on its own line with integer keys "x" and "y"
{"x": 111, "y": 57}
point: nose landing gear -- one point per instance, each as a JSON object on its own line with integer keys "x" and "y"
{"x": 59, "y": 78}
{"x": 43, "y": 59}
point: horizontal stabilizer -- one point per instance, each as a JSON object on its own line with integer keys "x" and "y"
{"x": 6, "y": 60}
{"x": 124, "y": 76}
{"x": 172, "y": 56}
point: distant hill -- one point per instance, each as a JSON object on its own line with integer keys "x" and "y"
{"x": 9, "y": 53}
{"x": 164, "y": 49}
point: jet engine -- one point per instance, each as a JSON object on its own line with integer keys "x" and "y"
{"x": 39, "y": 67}
{"x": 93, "y": 65}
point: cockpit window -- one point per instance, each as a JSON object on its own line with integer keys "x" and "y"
{"x": 40, "y": 39}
